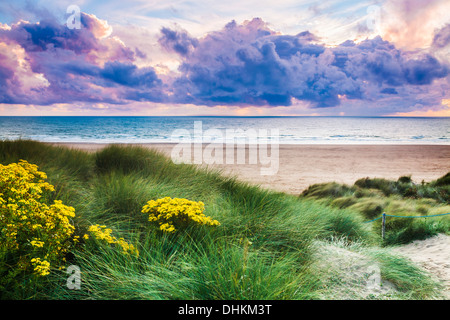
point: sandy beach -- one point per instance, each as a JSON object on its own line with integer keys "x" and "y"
{"x": 302, "y": 165}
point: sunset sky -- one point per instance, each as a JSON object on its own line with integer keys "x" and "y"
{"x": 249, "y": 58}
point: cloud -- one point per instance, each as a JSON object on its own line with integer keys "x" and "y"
{"x": 380, "y": 62}
{"x": 441, "y": 38}
{"x": 389, "y": 91}
{"x": 84, "y": 64}
{"x": 250, "y": 64}
{"x": 411, "y": 23}
{"x": 241, "y": 65}
{"x": 129, "y": 75}
{"x": 6, "y": 74}
{"x": 178, "y": 41}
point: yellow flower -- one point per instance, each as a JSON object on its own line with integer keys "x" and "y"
{"x": 169, "y": 212}
{"x": 104, "y": 234}
{"x": 37, "y": 243}
{"x": 41, "y": 268}
{"x": 24, "y": 215}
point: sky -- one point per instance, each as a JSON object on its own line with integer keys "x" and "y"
{"x": 233, "y": 58}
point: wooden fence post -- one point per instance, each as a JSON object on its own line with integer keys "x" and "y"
{"x": 383, "y": 225}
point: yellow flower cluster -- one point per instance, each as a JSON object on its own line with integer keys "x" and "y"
{"x": 168, "y": 213}
{"x": 41, "y": 268}
{"x": 28, "y": 226}
{"x": 104, "y": 234}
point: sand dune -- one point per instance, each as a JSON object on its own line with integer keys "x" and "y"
{"x": 432, "y": 254}
{"x": 302, "y": 165}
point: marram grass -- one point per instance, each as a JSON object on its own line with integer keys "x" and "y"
{"x": 371, "y": 197}
{"x": 262, "y": 246}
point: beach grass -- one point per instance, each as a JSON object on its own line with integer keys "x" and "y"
{"x": 370, "y": 197}
{"x": 346, "y": 270}
{"x": 264, "y": 248}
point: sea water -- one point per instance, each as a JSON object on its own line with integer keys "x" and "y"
{"x": 288, "y": 130}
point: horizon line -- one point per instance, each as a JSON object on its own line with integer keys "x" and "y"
{"x": 222, "y": 116}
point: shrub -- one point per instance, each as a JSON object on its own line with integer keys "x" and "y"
{"x": 410, "y": 192}
{"x": 404, "y": 179}
{"x": 33, "y": 235}
{"x": 168, "y": 213}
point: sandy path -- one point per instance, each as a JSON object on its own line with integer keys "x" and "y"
{"x": 432, "y": 254}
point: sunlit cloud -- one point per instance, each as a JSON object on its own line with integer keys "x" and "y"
{"x": 411, "y": 24}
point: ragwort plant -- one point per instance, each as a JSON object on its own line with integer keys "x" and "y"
{"x": 102, "y": 233}
{"x": 170, "y": 213}
{"x": 33, "y": 235}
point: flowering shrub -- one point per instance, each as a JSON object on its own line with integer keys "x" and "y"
{"x": 104, "y": 234}
{"x": 168, "y": 213}
{"x": 36, "y": 234}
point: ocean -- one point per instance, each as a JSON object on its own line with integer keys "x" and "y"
{"x": 283, "y": 130}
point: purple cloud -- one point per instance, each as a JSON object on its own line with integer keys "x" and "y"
{"x": 77, "y": 64}
{"x": 250, "y": 64}
{"x": 389, "y": 91}
{"x": 241, "y": 64}
{"x": 129, "y": 75}
{"x": 379, "y": 62}
{"x": 6, "y": 74}
{"x": 178, "y": 41}
{"x": 442, "y": 37}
